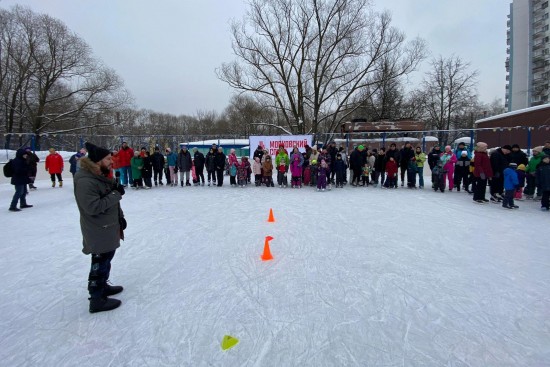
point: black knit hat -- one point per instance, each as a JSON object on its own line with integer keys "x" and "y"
{"x": 96, "y": 153}
{"x": 507, "y": 147}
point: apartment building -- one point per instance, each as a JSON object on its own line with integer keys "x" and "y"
{"x": 528, "y": 61}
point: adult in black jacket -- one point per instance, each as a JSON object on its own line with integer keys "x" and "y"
{"x": 158, "y": 166}
{"x": 20, "y": 179}
{"x": 433, "y": 157}
{"x": 356, "y": 164}
{"x": 219, "y": 162}
{"x": 184, "y": 164}
{"x": 259, "y": 152}
{"x": 405, "y": 156}
{"x": 517, "y": 156}
{"x": 332, "y": 151}
{"x": 147, "y": 169}
{"x": 500, "y": 159}
{"x": 32, "y": 161}
{"x": 198, "y": 159}
{"x": 392, "y": 153}
{"x": 211, "y": 165}
{"x": 380, "y": 166}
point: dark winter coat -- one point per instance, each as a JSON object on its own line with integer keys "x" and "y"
{"x": 543, "y": 177}
{"x": 518, "y": 158}
{"x": 99, "y": 207}
{"x": 482, "y": 165}
{"x": 184, "y": 162}
{"x": 499, "y": 162}
{"x": 332, "y": 151}
{"x": 380, "y": 163}
{"x": 339, "y": 167}
{"x": 355, "y": 160}
{"x": 211, "y": 161}
{"x": 73, "y": 161}
{"x": 219, "y": 161}
{"x": 157, "y": 160}
{"x": 392, "y": 153}
{"x": 258, "y": 153}
{"x": 433, "y": 157}
{"x": 462, "y": 166}
{"x": 405, "y": 156}
{"x": 32, "y": 161}
{"x": 147, "y": 170}
{"x": 20, "y": 169}
{"x": 199, "y": 161}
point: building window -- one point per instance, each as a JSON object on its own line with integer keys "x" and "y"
{"x": 544, "y": 5}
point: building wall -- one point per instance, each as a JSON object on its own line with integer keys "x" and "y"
{"x": 528, "y": 63}
{"x": 504, "y": 130}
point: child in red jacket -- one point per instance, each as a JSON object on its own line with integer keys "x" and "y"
{"x": 391, "y": 172}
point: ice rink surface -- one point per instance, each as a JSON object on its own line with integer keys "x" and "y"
{"x": 360, "y": 277}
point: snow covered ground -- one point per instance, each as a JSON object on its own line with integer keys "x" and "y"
{"x": 361, "y": 277}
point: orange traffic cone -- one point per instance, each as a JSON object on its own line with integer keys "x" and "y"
{"x": 267, "y": 252}
{"x": 271, "y": 218}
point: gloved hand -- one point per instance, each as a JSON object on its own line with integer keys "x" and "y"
{"x": 123, "y": 223}
{"x": 120, "y": 189}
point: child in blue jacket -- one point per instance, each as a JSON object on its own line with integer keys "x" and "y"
{"x": 511, "y": 183}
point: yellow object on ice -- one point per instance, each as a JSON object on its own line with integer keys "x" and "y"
{"x": 229, "y": 342}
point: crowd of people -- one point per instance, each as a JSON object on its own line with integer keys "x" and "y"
{"x": 451, "y": 170}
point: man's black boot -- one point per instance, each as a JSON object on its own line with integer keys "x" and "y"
{"x": 103, "y": 304}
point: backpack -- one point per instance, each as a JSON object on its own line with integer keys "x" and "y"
{"x": 8, "y": 168}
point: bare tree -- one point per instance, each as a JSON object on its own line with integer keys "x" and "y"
{"x": 313, "y": 59}
{"x": 54, "y": 82}
{"x": 449, "y": 90}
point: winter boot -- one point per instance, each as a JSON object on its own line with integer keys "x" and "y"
{"x": 156, "y": 183}
{"x": 187, "y": 183}
{"x": 22, "y": 206}
{"x": 14, "y": 209}
{"x": 111, "y": 290}
{"x": 160, "y": 183}
{"x": 53, "y": 183}
{"x": 103, "y": 304}
{"x": 181, "y": 182}
{"x": 60, "y": 183}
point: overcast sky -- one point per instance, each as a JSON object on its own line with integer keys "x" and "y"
{"x": 167, "y": 51}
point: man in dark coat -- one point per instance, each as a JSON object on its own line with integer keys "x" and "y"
{"x": 219, "y": 162}
{"x": 158, "y": 166}
{"x": 332, "y": 151}
{"x": 356, "y": 163}
{"x": 211, "y": 165}
{"x": 198, "y": 159}
{"x": 405, "y": 156}
{"x": 32, "y": 161}
{"x": 184, "y": 164}
{"x": 101, "y": 222}
{"x": 517, "y": 156}
{"x": 19, "y": 179}
{"x": 433, "y": 157}
{"x": 500, "y": 159}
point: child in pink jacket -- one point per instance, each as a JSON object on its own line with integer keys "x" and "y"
{"x": 449, "y": 159}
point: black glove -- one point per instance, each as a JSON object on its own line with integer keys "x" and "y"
{"x": 123, "y": 223}
{"x": 120, "y": 189}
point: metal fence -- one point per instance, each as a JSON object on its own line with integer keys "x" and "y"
{"x": 525, "y": 137}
